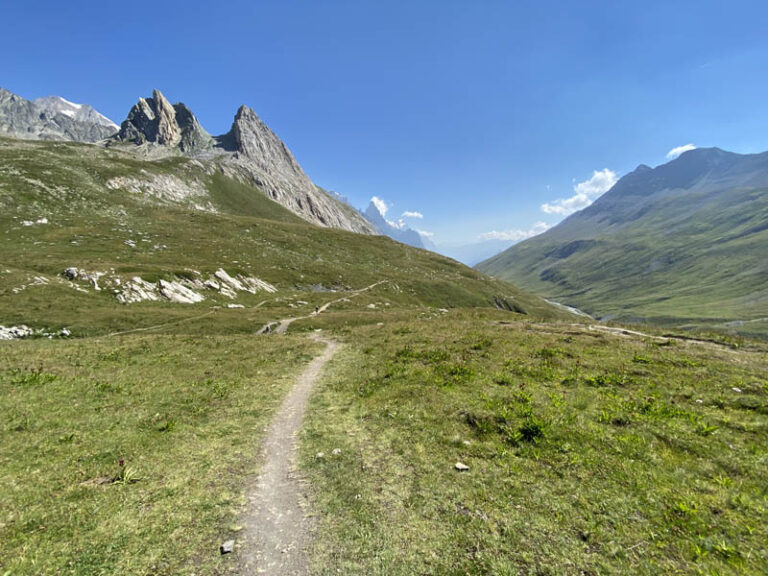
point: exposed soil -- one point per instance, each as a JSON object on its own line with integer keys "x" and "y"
{"x": 276, "y": 526}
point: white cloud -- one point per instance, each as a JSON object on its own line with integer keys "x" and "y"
{"x": 425, "y": 233}
{"x": 675, "y": 152}
{"x": 409, "y": 214}
{"x": 586, "y": 192}
{"x": 381, "y": 206}
{"x": 515, "y": 235}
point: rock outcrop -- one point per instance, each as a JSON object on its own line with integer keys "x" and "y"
{"x": 155, "y": 120}
{"x": 250, "y": 152}
{"x": 51, "y": 118}
{"x": 259, "y": 156}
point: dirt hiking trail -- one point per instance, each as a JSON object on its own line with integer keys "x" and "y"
{"x": 281, "y": 326}
{"x": 276, "y": 528}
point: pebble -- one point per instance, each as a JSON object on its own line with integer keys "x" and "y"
{"x": 227, "y": 547}
{"x": 461, "y": 467}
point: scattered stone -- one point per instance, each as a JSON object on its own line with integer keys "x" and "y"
{"x": 227, "y": 547}
{"x": 371, "y": 305}
{"x": 319, "y": 454}
{"x": 235, "y": 306}
{"x": 461, "y": 467}
{"x": 137, "y": 290}
{"x": 176, "y": 292}
{"x": 15, "y": 332}
{"x": 336, "y": 451}
{"x": 65, "y": 333}
{"x": 699, "y": 401}
{"x": 738, "y": 390}
{"x": 130, "y": 243}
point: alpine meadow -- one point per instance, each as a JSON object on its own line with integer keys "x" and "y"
{"x": 214, "y": 363}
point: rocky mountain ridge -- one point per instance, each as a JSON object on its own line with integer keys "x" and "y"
{"x": 250, "y": 152}
{"x": 51, "y": 118}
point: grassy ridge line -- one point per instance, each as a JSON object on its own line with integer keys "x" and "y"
{"x": 588, "y": 453}
{"x": 688, "y": 260}
{"x": 184, "y": 414}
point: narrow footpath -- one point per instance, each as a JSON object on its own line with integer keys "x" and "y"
{"x": 276, "y": 531}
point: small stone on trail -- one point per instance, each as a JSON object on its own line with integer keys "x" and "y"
{"x": 227, "y": 547}
{"x": 461, "y": 467}
{"x": 336, "y": 451}
{"x": 319, "y": 454}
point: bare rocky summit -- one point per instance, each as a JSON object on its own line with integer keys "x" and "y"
{"x": 250, "y": 152}
{"x": 155, "y": 120}
{"x": 51, "y": 118}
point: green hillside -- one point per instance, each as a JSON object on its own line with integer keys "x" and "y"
{"x": 684, "y": 244}
{"x": 106, "y": 211}
{"x": 132, "y": 443}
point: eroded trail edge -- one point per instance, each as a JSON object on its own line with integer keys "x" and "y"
{"x": 276, "y": 528}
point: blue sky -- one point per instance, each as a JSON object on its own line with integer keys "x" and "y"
{"x": 474, "y": 114}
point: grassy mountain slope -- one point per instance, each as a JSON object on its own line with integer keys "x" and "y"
{"x": 130, "y": 453}
{"x": 75, "y": 205}
{"x": 683, "y": 244}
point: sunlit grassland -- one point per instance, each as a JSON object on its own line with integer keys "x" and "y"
{"x": 589, "y": 453}
{"x": 129, "y": 455}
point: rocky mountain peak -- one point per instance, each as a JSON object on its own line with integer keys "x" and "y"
{"x": 156, "y": 120}
{"x": 51, "y": 118}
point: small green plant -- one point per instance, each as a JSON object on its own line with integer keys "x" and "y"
{"x": 126, "y": 474}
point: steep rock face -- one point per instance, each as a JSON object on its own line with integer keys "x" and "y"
{"x": 401, "y": 233}
{"x": 155, "y": 120}
{"x": 51, "y": 118}
{"x": 258, "y": 155}
{"x": 249, "y": 152}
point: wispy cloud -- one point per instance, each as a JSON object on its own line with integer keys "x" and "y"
{"x": 515, "y": 235}
{"x": 585, "y": 193}
{"x": 675, "y": 152}
{"x": 409, "y": 214}
{"x": 425, "y": 233}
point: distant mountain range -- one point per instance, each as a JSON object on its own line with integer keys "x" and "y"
{"x": 397, "y": 231}
{"x": 51, "y": 118}
{"x": 683, "y": 243}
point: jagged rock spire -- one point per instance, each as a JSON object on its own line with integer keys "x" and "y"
{"x": 156, "y": 120}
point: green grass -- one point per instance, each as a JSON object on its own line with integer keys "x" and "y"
{"x": 250, "y": 234}
{"x": 690, "y": 260}
{"x": 588, "y": 453}
{"x": 128, "y": 455}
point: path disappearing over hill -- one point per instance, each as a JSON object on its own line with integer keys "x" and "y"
{"x": 281, "y": 326}
{"x": 276, "y": 531}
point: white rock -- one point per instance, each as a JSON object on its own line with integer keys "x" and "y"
{"x": 461, "y": 467}
{"x": 137, "y": 290}
{"x": 235, "y": 306}
{"x": 14, "y": 332}
{"x": 177, "y": 292}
